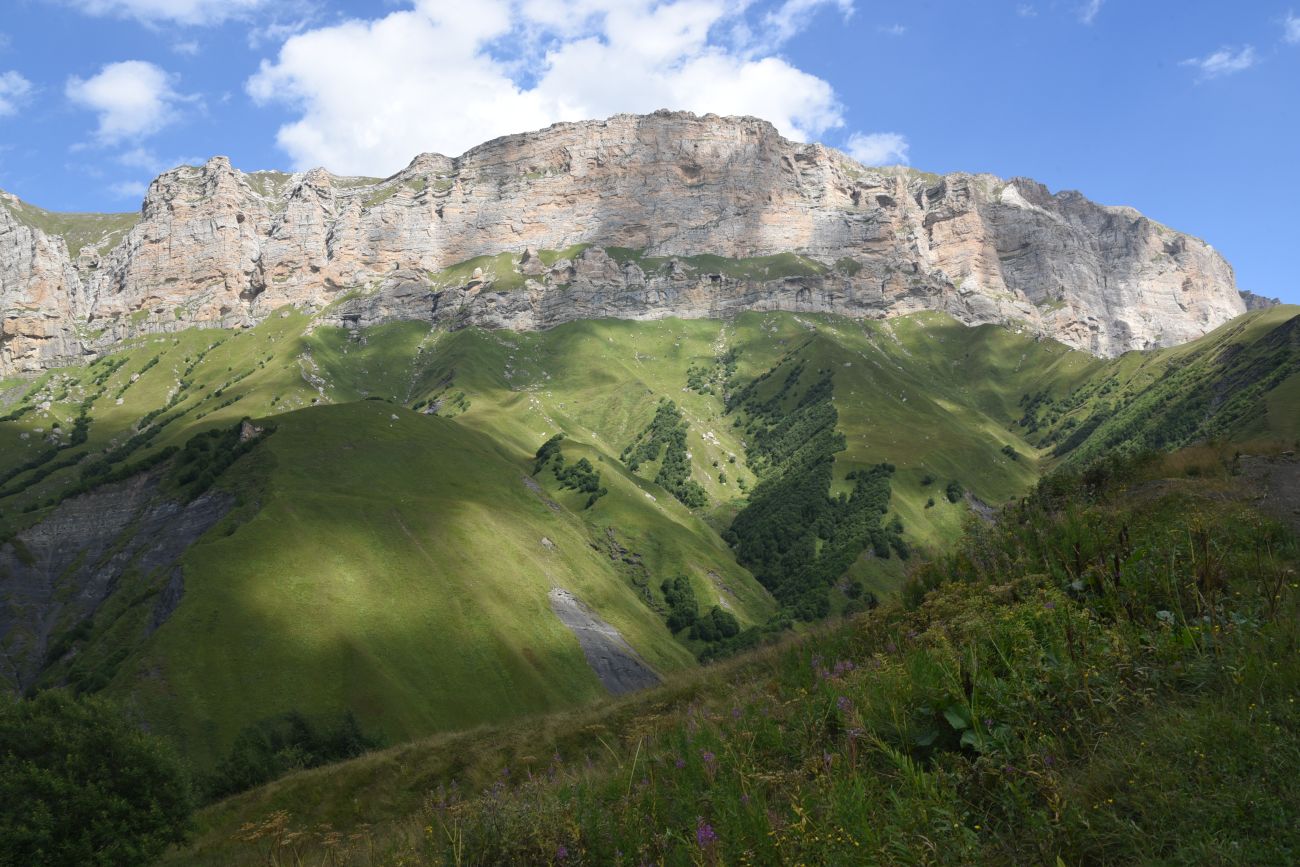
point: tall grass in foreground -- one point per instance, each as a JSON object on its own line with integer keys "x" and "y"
{"x": 1097, "y": 678}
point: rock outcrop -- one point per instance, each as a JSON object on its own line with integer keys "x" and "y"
{"x": 61, "y": 570}
{"x": 215, "y": 246}
{"x": 1258, "y": 302}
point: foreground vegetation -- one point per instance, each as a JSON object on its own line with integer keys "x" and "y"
{"x": 1106, "y": 674}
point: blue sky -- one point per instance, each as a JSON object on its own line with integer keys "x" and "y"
{"x": 1188, "y": 111}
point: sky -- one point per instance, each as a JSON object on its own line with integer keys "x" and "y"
{"x": 1188, "y": 110}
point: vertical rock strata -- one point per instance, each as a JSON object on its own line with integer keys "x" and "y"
{"x": 676, "y": 212}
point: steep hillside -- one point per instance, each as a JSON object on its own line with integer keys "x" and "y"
{"x": 435, "y": 529}
{"x": 637, "y": 217}
{"x": 1239, "y": 382}
{"x": 1075, "y": 684}
{"x": 398, "y": 463}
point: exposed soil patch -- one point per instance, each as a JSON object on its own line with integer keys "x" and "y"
{"x": 620, "y": 669}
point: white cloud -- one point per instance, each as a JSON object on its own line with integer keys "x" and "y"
{"x": 1225, "y": 61}
{"x": 129, "y": 189}
{"x": 195, "y": 12}
{"x": 14, "y": 90}
{"x": 1291, "y": 28}
{"x": 133, "y": 98}
{"x": 793, "y": 16}
{"x": 188, "y": 48}
{"x": 1026, "y": 10}
{"x": 893, "y": 30}
{"x": 878, "y": 148}
{"x": 441, "y": 76}
{"x": 1088, "y": 12}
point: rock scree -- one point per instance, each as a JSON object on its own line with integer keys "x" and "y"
{"x": 620, "y": 669}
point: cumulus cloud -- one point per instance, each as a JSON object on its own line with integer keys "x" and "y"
{"x": 878, "y": 148}
{"x": 1225, "y": 61}
{"x": 1291, "y": 28}
{"x": 190, "y": 12}
{"x": 133, "y": 99}
{"x": 440, "y": 76}
{"x": 14, "y": 90}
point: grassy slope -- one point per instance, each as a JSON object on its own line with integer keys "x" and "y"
{"x": 922, "y": 392}
{"x": 1102, "y": 727}
{"x": 1235, "y": 383}
{"x": 102, "y": 231}
{"x": 395, "y": 567}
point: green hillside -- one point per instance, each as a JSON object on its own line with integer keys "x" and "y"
{"x": 1075, "y": 684}
{"x": 391, "y": 538}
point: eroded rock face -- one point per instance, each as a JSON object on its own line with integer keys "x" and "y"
{"x": 215, "y": 246}
{"x": 57, "y": 573}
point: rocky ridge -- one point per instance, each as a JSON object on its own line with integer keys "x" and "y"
{"x": 669, "y": 214}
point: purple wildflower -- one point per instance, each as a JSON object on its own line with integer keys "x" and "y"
{"x": 844, "y": 704}
{"x": 708, "y": 757}
{"x": 1049, "y": 604}
{"x": 704, "y": 834}
{"x": 681, "y": 763}
{"x": 561, "y": 853}
{"x": 735, "y": 713}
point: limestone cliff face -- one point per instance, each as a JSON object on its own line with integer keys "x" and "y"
{"x": 216, "y": 246}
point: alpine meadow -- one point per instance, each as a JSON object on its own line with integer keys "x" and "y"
{"x": 672, "y": 488}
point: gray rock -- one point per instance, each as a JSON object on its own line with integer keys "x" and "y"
{"x": 620, "y": 669}
{"x": 218, "y": 247}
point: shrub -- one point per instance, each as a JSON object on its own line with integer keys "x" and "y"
{"x": 80, "y": 785}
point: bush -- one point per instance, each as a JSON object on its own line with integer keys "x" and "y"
{"x": 80, "y": 785}
{"x": 954, "y": 491}
{"x": 275, "y": 746}
{"x": 683, "y": 608}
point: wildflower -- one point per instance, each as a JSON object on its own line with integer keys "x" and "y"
{"x": 844, "y": 704}
{"x": 680, "y": 763}
{"x": 744, "y": 800}
{"x": 1049, "y": 605}
{"x": 561, "y": 853}
{"x": 708, "y": 757}
{"x": 735, "y": 713}
{"x": 891, "y": 647}
{"x": 704, "y": 833}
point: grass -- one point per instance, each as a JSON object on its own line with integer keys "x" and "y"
{"x": 265, "y": 609}
{"x": 1001, "y": 717}
{"x": 101, "y": 231}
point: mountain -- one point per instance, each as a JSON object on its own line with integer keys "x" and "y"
{"x": 636, "y": 217}
{"x": 573, "y": 414}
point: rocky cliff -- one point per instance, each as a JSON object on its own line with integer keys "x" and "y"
{"x": 668, "y": 214}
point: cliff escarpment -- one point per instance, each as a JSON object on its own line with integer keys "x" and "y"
{"x": 669, "y": 214}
